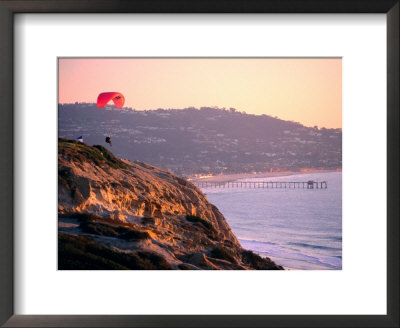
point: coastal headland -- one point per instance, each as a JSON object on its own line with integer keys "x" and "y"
{"x": 117, "y": 214}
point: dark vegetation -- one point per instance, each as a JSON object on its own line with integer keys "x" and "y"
{"x": 86, "y": 217}
{"x": 258, "y": 262}
{"x": 81, "y": 152}
{"x": 110, "y": 158}
{"x": 197, "y": 219}
{"x": 97, "y": 225}
{"x": 184, "y": 267}
{"x": 103, "y": 229}
{"x": 223, "y": 253}
{"x": 82, "y": 253}
{"x": 148, "y": 220}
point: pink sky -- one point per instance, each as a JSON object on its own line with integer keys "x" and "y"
{"x": 305, "y": 90}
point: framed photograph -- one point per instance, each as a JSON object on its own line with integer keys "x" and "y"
{"x": 188, "y": 187}
{"x": 199, "y": 164}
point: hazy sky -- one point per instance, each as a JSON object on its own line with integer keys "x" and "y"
{"x": 308, "y": 91}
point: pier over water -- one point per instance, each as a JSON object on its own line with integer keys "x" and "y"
{"x": 264, "y": 184}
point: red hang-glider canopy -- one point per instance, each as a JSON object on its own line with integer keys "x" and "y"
{"x": 105, "y": 97}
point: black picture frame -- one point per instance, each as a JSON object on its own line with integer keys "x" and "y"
{"x": 10, "y": 7}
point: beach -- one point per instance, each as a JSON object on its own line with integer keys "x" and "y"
{"x": 239, "y": 176}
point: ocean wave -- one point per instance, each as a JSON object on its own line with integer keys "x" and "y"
{"x": 287, "y": 257}
{"x": 256, "y": 241}
{"x": 336, "y": 238}
{"x": 314, "y": 246}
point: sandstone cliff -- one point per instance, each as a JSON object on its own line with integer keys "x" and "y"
{"x": 115, "y": 214}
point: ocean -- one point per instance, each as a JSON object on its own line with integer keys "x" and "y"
{"x": 300, "y": 229}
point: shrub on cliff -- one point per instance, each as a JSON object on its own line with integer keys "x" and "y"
{"x": 148, "y": 220}
{"x": 82, "y": 253}
{"x": 223, "y": 254}
{"x": 196, "y": 219}
{"x": 111, "y": 230}
{"x": 134, "y": 235}
{"x": 81, "y": 152}
{"x": 99, "y": 229}
{"x": 110, "y": 158}
{"x": 85, "y": 217}
{"x": 258, "y": 262}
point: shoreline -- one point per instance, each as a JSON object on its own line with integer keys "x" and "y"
{"x": 237, "y": 176}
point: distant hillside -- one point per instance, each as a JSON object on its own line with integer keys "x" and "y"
{"x": 205, "y": 140}
{"x": 115, "y": 214}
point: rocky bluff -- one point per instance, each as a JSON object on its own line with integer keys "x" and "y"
{"x": 116, "y": 214}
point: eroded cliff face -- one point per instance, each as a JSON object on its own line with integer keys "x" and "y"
{"x": 141, "y": 211}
